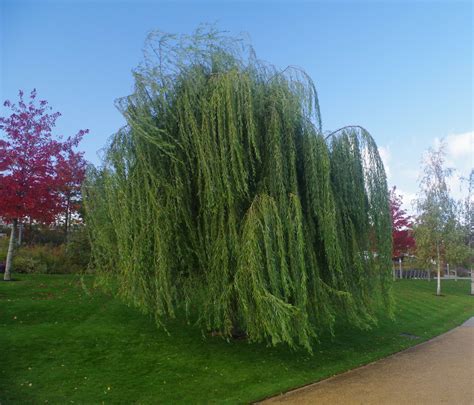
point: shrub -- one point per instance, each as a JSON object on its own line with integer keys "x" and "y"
{"x": 51, "y": 257}
{"x": 27, "y": 264}
{"x": 40, "y": 235}
{"x": 40, "y": 259}
{"x": 3, "y": 249}
{"x": 77, "y": 251}
{"x": 72, "y": 257}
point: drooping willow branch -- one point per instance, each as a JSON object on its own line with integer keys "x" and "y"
{"x": 347, "y": 127}
{"x": 222, "y": 198}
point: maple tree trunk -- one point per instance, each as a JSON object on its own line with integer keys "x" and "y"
{"x": 66, "y": 227}
{"x": 8, "y": 266}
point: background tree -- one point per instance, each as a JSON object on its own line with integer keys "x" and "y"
{"x": 458, "y": 253}
{"x": 402, "y": 226}
{"x": 223, "y": 197}
{"x": 435, "y": 231}
{"x": 32, "y": 166}
{"x": 71, "y": 169}
{"x": 469, "y": 226}
{"x": 461, "y": 253}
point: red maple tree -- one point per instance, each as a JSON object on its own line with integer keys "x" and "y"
{"x": 37, "y": 171}
{"x": 402, "y": 226}
{"x": 71, "y": 170}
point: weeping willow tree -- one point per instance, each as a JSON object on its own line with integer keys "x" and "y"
{"x": 223, "y": 197}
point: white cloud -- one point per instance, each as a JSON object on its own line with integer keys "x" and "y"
{"x": 460, "y": 146}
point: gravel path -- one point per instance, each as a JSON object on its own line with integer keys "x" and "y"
{"x": 440, "y": 371}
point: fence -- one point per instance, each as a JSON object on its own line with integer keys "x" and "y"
{"x": 411, "y": 274}
{"x": 400, "y": 272}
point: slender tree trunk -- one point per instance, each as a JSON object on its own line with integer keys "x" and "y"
{"x": 20, "y": 233}
{"x": 11, "y": 245}
{"x": 438, "y": 286}
{"x": 66, "y": 227}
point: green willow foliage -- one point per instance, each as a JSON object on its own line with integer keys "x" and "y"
{"x": 222, "y": 196}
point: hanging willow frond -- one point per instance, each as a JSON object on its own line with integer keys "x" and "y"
{"x": 223, "y": 197}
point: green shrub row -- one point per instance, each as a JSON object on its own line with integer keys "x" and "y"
{"x": 70, "y": 257}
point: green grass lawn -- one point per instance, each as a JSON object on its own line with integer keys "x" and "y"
{"x": 61, "y": 345}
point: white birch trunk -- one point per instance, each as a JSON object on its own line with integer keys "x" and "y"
{"x": 11, "y": 245}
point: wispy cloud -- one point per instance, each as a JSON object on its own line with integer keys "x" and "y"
{"x": 460, "y": 146}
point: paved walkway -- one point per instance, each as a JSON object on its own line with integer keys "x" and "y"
{"x": 440, "y": 371}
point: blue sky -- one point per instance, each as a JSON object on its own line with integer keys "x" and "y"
{"x": 403, "y": 70}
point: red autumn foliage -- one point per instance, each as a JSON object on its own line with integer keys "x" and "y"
{"x": 37, "y": 171}
{"x": 402, "y": 226}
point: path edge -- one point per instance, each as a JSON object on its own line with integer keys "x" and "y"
{"x": 468, "y": 321}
